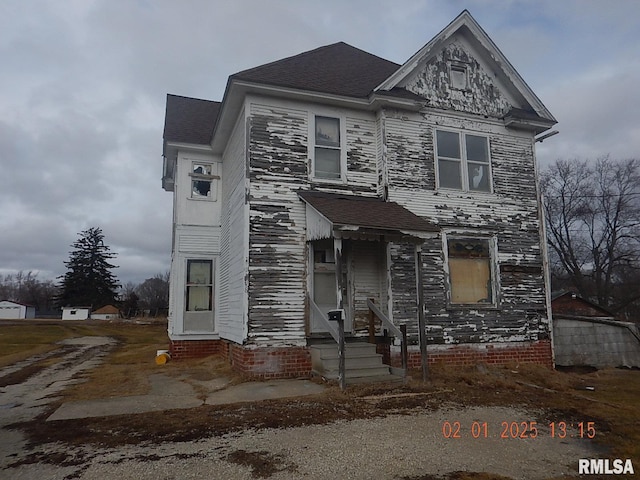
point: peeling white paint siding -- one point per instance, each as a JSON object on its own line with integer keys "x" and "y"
{"x": 362, "y": 171}
{"x": 510, "y": 214}
{"x": 280, "y": 161}
{"x": 277, "y": 243}
{"x": 483, "y": 95}
{"x": 234, "y": 240}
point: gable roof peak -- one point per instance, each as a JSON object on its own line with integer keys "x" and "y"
{"x": 486, "y": 49}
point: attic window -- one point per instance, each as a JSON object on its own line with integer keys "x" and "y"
{"x": 458, "y": 77}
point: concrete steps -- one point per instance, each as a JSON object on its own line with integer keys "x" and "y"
{"x": 362, "y": 363}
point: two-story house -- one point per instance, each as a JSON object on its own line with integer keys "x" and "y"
{"x": 333, "y": 177}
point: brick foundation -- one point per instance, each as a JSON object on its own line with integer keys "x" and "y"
{"x": 538, "y": 353}
{"x": 181, "y": 349}
{"x": 292, "y": 362}
{"x": 270, "y": 362}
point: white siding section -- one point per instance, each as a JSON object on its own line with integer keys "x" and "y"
{"x": 361, "y": 153}
{"x": 199, "y": 240}
{"x": 234, "y": 240}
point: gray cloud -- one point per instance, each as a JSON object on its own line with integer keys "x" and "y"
{"x": 83, "y": 88}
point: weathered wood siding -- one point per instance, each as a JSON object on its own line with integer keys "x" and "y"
{"x": 232, "y": 288}
{"x": 484, "y": 95}
{"x": 277, "y": 243}
{"x": 509, "y": 214}
{"x": 280, "y": 163}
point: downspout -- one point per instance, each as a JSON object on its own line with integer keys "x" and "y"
{"x": 544, "y": 251}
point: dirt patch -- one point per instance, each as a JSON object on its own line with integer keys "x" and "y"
{"x": 263, "y": 464}
{"x": 460, "y": 476}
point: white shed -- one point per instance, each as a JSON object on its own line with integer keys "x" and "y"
{"x": 13, "y": 310}
{"x": 76, "y": 313}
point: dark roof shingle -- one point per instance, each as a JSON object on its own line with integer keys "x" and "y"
{"x": 338, "y": 69}
{"x": 365, "y": 212}
{"x": 190, "y": 120}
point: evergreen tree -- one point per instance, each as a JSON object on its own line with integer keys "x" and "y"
{"x": 89, "y": 281}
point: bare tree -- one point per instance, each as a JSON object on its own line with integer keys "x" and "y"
{"x": 27, "y": 289}
{"x": 593, "y": 218}
{"x": 153, "y": 293}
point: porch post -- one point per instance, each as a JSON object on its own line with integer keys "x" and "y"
{"x": 337, "y": 247}
{"x": 421, "y": 325}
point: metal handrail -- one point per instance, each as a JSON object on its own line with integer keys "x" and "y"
{"x": 331, "y": 327}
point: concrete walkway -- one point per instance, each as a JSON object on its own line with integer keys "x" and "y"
{"x": 169, "y": 393}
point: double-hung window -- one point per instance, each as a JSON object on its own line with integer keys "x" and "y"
{"x": 199, "y": 298}
{"x": 327, "y": 161}
{"x": 471, "y": 271}
{"x": 463, "y": 161}
{"x": 199, "y": 285}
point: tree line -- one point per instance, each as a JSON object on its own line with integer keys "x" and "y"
{"x": 592, "y": 213}
{"x": 88, "y": 281}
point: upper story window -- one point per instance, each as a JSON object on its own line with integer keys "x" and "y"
{"x": 462, "y": 161}
{"x": 328, "y": 152}
{"x": 203, "y": 180}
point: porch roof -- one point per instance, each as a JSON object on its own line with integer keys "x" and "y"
{"x": 349, "y": 212}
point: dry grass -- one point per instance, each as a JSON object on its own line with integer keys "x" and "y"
{"x": 613, "y": 404}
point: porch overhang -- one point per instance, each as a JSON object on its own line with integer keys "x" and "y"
{"x": 333, "y": 215}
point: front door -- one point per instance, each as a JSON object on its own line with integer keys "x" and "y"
{"x": 324, "y": 284}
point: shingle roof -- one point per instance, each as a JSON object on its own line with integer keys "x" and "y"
{"x": 190, "y": 120}
{"x": 365, "y": 212}
{"x": 338, "y": 69}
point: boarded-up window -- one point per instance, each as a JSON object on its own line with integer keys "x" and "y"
{"x": 470, "y": 271}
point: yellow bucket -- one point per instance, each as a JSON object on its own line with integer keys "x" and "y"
{"x": 162, "y": 357}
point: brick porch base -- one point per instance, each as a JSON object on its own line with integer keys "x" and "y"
{"x": 292, "y": 362}
{"x": 537, "y": 353}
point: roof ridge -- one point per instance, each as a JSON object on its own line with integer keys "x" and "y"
{"x": 192, "y": 98}
{"x": 308, "y": 53}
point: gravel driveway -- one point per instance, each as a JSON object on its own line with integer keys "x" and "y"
{"x": 396, "y": 446}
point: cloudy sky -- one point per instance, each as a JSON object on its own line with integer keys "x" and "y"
{"x": 83, "y": 86}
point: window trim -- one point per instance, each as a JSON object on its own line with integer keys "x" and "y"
{"x": 463, "y": 160}
{"x": 194, "y": 314}
{"x": 493, "y": 269}
{"x": 342, "y": 148}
